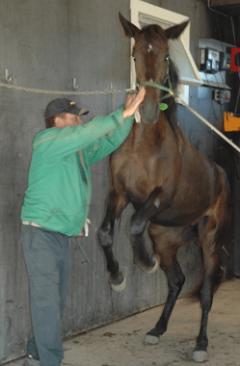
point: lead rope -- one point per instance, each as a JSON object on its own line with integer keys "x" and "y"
{"x": 193, "y": 111}
{"x": 214, "y": 129}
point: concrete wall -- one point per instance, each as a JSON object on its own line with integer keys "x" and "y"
{"x": 34, "y": 47}
{"x": 44, "y": 44}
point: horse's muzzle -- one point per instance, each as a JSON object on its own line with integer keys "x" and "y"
{"x": 149, "y": 111}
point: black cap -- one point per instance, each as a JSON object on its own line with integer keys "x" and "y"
{"x": 63, "y": 105}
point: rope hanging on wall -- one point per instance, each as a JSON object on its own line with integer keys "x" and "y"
{"x": 112, "y": 92}
{"x": 60, "y": 92}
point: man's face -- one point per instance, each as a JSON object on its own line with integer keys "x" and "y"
{"x": 67, "y": 119}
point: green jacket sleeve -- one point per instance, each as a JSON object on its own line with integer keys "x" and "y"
{"x": 110, "y": 142}
{"x": 59, "y": 142}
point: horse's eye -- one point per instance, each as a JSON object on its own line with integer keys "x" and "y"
{"x": 134, "y": 58}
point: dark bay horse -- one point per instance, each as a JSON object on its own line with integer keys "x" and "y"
{"x": 177, "y": 193}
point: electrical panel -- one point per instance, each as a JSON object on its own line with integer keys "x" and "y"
{"x": 225, "y": 59}
{"x": 222, "y": 96}
{"x": 209, "y": 60}
{"x": 213, "y": 61}
{"x": 215, "y": 68}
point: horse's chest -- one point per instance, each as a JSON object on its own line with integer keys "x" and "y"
{"x": 134, "y": 171}
{"x": 142, "y": 163}
{"x": 137, "y": 176}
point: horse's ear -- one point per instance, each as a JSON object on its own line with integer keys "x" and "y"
{"x": 176, "y": 30}
{"x": 130, "y": 29}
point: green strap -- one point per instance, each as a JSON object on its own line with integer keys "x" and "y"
{"x": 162, "y": 106}
{"x": 157, "y": 86}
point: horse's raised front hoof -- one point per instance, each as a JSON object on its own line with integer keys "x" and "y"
{"x": 118, "y": 283}
{"x": 151, "y": 339}
{"x": 200, "y": 356}
{"x": 154, "y": 267}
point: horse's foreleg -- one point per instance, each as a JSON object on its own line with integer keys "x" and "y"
{"x": 138, "y": 225}
{"x": 116, "y": 203}
{"x": 175, "y": 279}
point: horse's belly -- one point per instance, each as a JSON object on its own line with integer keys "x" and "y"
{"x": 172, "y": 217}
{"x": 184, "y": 210}
{"x": 194, "y": 195}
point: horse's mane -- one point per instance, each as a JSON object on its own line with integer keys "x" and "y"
{"x": 173, "y": 76}
{"x": 153, "y": 31}
{"x": 172, "y": 83}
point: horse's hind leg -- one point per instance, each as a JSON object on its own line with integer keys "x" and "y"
{"x": 166, "y": 248}
{"x": 212, "y": 276}
{"x": 116, "y": 204}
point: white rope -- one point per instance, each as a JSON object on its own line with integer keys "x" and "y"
{"x": 60, "y": 92}
{"x": 205, "y": 121}
{"x": 193, "y": 111}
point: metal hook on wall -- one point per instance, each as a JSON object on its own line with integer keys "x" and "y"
{"x": 75, "y": 84}
{"x": 7, "y": 76}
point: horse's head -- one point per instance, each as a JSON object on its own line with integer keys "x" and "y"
{"x": 152, "y": 63}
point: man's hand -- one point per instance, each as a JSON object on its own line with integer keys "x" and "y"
{"x": 132, "y": 102}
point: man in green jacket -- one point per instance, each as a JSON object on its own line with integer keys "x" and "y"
{"x": 55, "y": 208}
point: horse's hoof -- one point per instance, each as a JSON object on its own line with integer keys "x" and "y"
{"x": 151, "y": 339}
{"x": 200, "y": 356}
{"x": 154, "y": 267}
{"x": 119, "y": 286}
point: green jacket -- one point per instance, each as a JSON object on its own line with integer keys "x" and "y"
{"x": 59, "y": 183}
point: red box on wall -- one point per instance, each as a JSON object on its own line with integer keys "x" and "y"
{"x": 235, "y": 66}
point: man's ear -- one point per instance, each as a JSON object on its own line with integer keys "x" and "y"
{"x": 175, "y": 31}
{"x": 130, "y": 29}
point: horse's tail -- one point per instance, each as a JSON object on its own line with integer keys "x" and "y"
{"x": 223, "y": 236}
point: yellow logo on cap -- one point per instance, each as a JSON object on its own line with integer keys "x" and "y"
{"x": 72, "y": 103}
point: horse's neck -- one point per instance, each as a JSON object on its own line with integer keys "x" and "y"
{"x": 141, "y": 130}
{"x": 147, "y": 134}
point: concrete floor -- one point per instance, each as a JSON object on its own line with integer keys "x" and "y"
{"x": 121, "y": 343}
